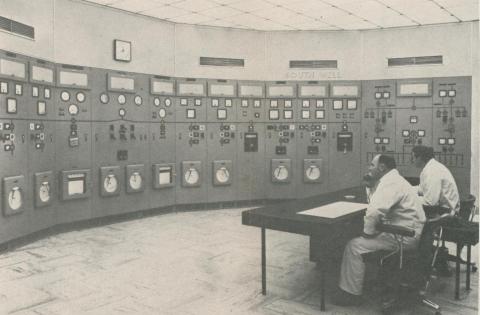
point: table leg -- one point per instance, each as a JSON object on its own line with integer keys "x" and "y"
{"x": 457, "y": 273}
{"x": 322, "y": 288}
{"x": 469, "y": 254}
{"x": 264, "y": 265}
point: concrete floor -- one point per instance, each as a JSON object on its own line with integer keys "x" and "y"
{"x": 201, "y": 262}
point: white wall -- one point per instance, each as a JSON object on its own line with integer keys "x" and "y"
{"x": 39, "y": 14}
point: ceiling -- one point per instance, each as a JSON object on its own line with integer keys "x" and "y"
{"x": 274, "y": 15}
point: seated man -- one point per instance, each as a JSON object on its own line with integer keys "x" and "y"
{"x": 437, "y": 185}
{"x": 394, "y": 200}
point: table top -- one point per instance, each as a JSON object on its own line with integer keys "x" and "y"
{"x": 284, "y": 216}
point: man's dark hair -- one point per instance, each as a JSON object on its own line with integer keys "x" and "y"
{"x": 423, "y": 152}
{"x": 388, "y": 161}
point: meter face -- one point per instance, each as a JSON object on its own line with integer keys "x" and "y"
{"x": 281, "y": 173}
{"x": 222, "y": 175}
{"x": 191, "y": 176}
{"x": 110, "y": 183}
{"x": 135, "y": 181}
{"x": 15, "y": 199}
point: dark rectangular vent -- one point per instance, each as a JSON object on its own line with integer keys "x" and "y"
{"x": 17, "y": 27}
{"x": 161, "y": 77}
{"x": 315, "y": 64}
{"x": 222, "y": 62}
{"x": 72, "y": 67}
{"x": 409, "y": 61}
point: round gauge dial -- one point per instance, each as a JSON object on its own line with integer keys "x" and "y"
{"x": 281, "y": 172}
{"x": 73, "y": 109}
{"x": 162, "y": 113}
{"x": 156, "y": 101}
{"x": 121, "y": 99}
{"x": 81, "y": 97}
{"x": 44, "y": 192}
{"x": 104, "y": 98}
{"x": 65, "y": 96}
{"x": 15, "y": 198}
{"x": 138, "y": 100}
{"x": 313, "y": 172}
{"x": 192, "y": 176}
{"x": 135, "y": 181}
{"x": 222, "y": 175}
{"x": 122, "y": 112}
{"x": 110, "y": 183}
{"x": 168, "y": 102}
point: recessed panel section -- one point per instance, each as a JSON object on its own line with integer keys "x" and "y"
{"x": 12, "y": 69}
{"x": 14, "y": 197}
{"x": 160, "y": 87}
{"x": 44, "y": 187}
{"x": 163, "y": 175}
{"x": 121, "y": 83}
{"x": 221, "y": 89}
{"x": 72, "y": 79}
{"x": 41, "y": 75}
{"x": 109, "y": 181}
{"x": 313, "y": 90}
{"x": 414, "y": 88}
{"x": 345, "y": 90}
{"x": 75, "y": 184}
{"x": 251, "y": 90}
{"x": 195, "y": 89}
{"x": 280, "y": 91}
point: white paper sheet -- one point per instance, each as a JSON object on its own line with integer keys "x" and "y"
{"x": 335, "y": 210}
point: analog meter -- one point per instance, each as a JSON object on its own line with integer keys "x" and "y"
{"x": 135, "y": 181}
{"x": 168, "y": 102}
{"x": 44, "y": 192}
{"x": 138, "y": 100}
{"x": 192, "y": 176}
{"x": 81, "y": 97}
{"x": 222, "y": 174}
{"x": 281, "y": 173}
{"x": 121, "y": 99}
{"x": 156, "y": 101}
{"x": 73, "y": 109}
{"x": 15, "y": 200}
{"x": 104, "y": 98}
{"x": 313, "y": 172}
{"x": 110, "y": 183}
{"x": 162, "y": 113}
{"x": 65, "y": 96}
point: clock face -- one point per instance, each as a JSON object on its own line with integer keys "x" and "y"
{"x": 135, "y": 181}
{"x": 15, "y": 198}
{"x": 222, "y": 175}
{"x": 192, "y": 176}
{"x": 313, "y": 172}
{"x": 44, "y": 192}
{"x": 281, "y": 173}
{"x": 122, "y": 50}
{"x": 110, "y": 183}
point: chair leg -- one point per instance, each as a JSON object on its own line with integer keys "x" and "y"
{"x": 431, "y": 305}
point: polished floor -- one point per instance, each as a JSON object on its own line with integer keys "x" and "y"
{"x": 199, "y": 262}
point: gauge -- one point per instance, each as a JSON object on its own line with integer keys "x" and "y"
{"x": 192, "y": 176}
{"x": 122, "y": 112}
{"x": 104, "y": 98}
{"x": 135, "y": 181}
{"x": 15, "y": 198}
{"x": 81, "y": 97}
{"x": 138, "y": 100}
{"x": 313, "y": 172}
{"x": 110, "y": 183}
{"x": 222, "y": 174}
{"x": 44, "y": 192}
{"x": 168, "y": 102}
{"x": 156, "y": 101}
{"x": 65, "y": 96}
{"x": 73, "y": 109}
{"x": 122, "y": 99}
{"x": 281, "y": 173}
{"x": 162, "y": 113}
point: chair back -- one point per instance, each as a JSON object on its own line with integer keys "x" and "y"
{"x": 467, "y": 205}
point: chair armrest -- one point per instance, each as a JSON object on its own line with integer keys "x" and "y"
{"x": 395, "y": 229}
{"x": 441, "y": 219}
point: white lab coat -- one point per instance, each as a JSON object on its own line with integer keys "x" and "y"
{"x": 394, "y": 200}
{"x": 437, "y": 187}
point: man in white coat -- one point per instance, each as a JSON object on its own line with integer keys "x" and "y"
{"x": 395, "y": 201}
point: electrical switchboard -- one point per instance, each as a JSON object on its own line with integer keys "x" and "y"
{"x": 280, "y": 134}
{"x": 191, "y": 140}
{"x": 312, "y": 139}
{"x": 221, "y": 143}
{"x": 250, "y": 149}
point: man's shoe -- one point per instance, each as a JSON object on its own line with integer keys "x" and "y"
{"x": 343, "y": 298}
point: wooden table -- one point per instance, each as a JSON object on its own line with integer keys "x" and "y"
{"x": 326, "y": 234}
